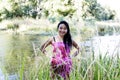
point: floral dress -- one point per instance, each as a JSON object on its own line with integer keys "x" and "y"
{"x": 61, "y": 62}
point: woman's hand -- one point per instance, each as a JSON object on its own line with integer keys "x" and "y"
{"x": 43, "y": 47}
{"x": 43, "y": 51}
{"x": 77, "y": 47}
{"x": 75, "y": 53}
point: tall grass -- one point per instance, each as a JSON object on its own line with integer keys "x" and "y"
{"x": 83, "y": 69}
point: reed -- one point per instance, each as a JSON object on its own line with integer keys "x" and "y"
{"x": 84, "y": 67}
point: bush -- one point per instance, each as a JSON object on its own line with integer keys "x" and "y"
{"x": 13, "y": 26}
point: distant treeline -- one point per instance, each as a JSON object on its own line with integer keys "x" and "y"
{"x": 56, "y": 10}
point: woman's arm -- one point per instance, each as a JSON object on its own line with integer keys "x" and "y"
{"x": 47, "y": 43}
{"x": 77, "y": 47}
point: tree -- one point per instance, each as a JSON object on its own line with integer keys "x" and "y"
{"x": 21, "y": 8}
{"x": 56, "y": 9}
{"x": 91, "y": 8}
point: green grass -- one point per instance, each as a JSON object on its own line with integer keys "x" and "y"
{"x": 100, "y": 68}
{"x": 97, "y": 69}
{"x": 38, "y": 68}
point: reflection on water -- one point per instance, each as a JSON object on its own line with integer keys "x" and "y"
{"x": 1, "y": 75}
{"x": 4, "y": 42}
{"x": 14, "y": 49}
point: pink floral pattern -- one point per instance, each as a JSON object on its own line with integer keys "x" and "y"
{"x": 61, "y": 62}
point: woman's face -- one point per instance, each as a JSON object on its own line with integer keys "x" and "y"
{"x": 62, "y": 30}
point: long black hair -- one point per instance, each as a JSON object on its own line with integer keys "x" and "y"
{"x": 67, "y": 37}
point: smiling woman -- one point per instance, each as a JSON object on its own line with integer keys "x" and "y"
{"x": 62, "y": 30}
{"x": 61, "y": 62}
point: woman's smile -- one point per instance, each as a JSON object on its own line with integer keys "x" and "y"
{"x": 62, "y": 30}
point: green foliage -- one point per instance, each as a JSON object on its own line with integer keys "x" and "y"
{"x": 6, "y": 13}
{"x": 21, "y": 9}
{"x": 91, "y": 8}
{"x": 57, "y": 9}
{"x": 67, "y": 12}
{"x": 102, "y": 31}
{"x": 21, "y": 71}
{"x": 15, "y": 12}
{"x": 26, "y": 9}
{"x": 13, "y": 26}
{"x": 87, "y": 33}
{"x": 33, "y": 3}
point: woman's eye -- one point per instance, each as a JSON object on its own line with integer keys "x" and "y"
{"x": 60, "y": 27}
{"x": 64, "y": 28}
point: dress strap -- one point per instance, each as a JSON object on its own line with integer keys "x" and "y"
{"x": 54, "y": 38}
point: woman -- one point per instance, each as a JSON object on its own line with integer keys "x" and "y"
{"x": 61, "y": 62}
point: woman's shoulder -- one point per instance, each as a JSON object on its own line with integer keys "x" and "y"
{"x": 52, "y": 39}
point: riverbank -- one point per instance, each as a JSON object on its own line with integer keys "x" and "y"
{"x": 20, "y": 60}
{"x": 31, "y": 26}
{"x": 25, "y": 25}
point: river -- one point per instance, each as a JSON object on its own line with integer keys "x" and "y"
{"x": 10, "y": 44}
{"x": 14, "y": 47}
